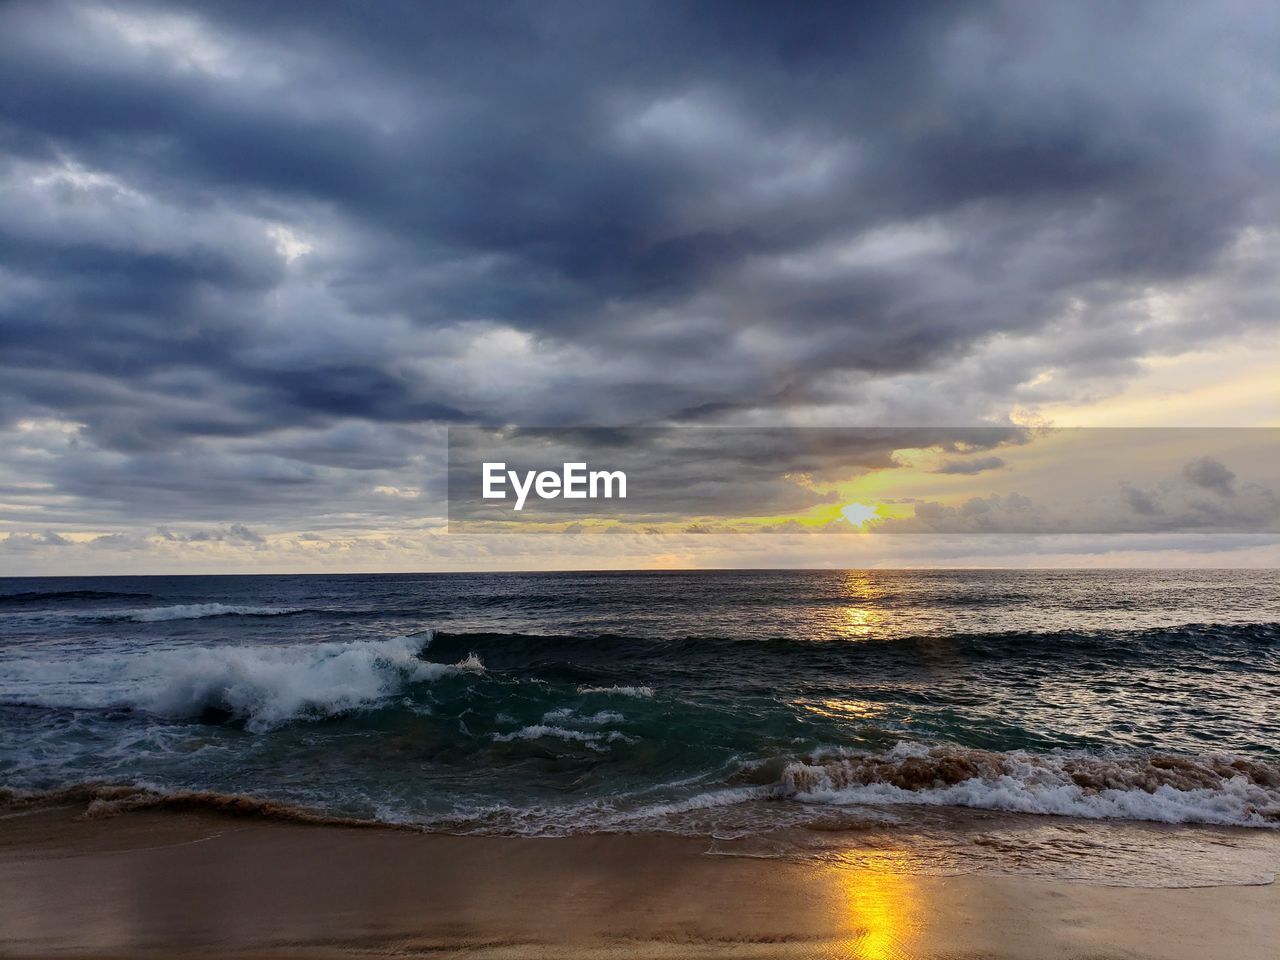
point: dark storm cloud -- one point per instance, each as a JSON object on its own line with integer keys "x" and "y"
{"x": 253, "y": 248}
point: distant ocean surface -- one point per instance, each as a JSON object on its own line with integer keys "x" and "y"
{"x": 717, "y": 704}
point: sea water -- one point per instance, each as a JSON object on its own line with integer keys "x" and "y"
{"x": 743, "y": 707}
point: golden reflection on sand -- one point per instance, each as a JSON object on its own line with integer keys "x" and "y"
{"x": 879, "y": 903}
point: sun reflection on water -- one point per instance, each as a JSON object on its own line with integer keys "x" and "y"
{"x": 860, "y": 622}
{"x": 862, "y": 618}
{"x": 842, "y": 708}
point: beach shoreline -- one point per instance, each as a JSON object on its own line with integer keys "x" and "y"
{"x": 199, "y": 884}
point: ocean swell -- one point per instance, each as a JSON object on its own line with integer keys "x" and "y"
{"x": 42, "y": 597}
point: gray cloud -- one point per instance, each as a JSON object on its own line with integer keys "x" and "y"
{"x": 252, "y": 256}
{"x": 236, "y": 533}
{"x": 23, "y": 542}
{"x": 1210, "y": 474}
{"x": 967, "y": 467}
{"x": 1201, "y": 499}
{"x": 1140, "y": 501}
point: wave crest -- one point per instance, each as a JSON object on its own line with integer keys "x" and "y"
{"x": 268, "y": 687}
{"x": 197, "y": 611}
{"x": 1215, "y": 790}
{"x": 262, "y": 687}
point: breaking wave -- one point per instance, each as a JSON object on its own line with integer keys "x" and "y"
{"x": 104, "y": 800}
{"x": 1220, "y": 791}
{"x": 259, "y": 686}
{"x": 1225, "y": 790}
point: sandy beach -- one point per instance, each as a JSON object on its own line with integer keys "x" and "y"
{"x": 164, "y": 884}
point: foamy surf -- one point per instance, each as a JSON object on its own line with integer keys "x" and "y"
{"x": 193, "y": 611}
{"x": 642, "y": 692}
{"x": 1115, "y": 853}
{"x": 260, "y": 686}
{"x": 1226, "y": 791}
{"x": 266, "y": 688}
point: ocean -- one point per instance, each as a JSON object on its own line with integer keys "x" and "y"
{"x": 770, "y": 712}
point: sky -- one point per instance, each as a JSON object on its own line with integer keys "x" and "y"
{"x": 257, "y": 259}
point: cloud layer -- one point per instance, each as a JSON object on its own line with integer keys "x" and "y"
{"x": 254, "y": 257}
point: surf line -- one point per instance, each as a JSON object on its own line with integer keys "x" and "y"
{"x": 573, "y": 482}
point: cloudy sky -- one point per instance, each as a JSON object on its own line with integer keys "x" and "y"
{"x": 255, "y": 259}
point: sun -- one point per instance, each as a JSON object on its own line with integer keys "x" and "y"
{"x": 859, "y": 514}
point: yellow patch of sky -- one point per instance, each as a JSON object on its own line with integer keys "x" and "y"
{"x": 1236, "y": 386}
{"x": 1233, "y": 386}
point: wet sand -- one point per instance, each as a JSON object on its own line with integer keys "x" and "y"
{"x": 163, "y": 884}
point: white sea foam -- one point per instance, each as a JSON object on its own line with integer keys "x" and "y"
{"x": 645, "y": 692}
{"x": 1212, "y": 790}
{"x": 539, "y": 731}
{"x": 597, "y": 719}
{"x": 264, "y": 686}
{"x": 708, "y": 800}
{"x": 536, "y": 731}
{"x": 193, "y": 611}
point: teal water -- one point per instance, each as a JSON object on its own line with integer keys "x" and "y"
{"x": 718, "y": 704}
